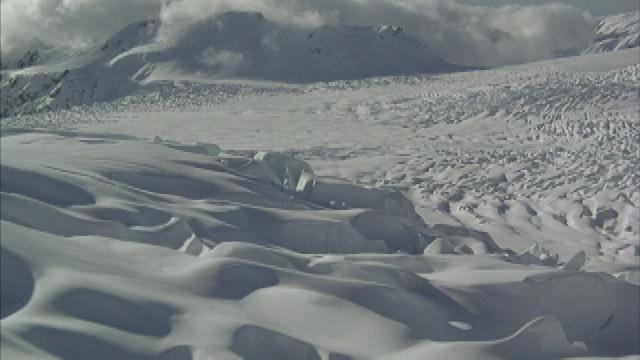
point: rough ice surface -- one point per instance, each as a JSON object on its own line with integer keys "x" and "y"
{"x": 481, "y": 214}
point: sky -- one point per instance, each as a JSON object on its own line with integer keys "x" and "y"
{"x": 596, "y": 7}
{"x": 498, "y": 34}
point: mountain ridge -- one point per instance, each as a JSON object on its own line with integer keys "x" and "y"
{"x": 234, "y": 45}
{"x": 230, "y": 45}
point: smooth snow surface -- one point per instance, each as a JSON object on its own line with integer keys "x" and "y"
{"x": 478, "y": 215}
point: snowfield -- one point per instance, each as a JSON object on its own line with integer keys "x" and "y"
{"x": 482, "y": 214}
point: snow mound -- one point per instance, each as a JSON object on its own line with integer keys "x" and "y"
{"x": 117, "y": 247}
{"x": 17, "y": 283}
{"x": 233, "y": 206}
{"x": 586, "y": 305}
{"x": 288, "y": 170}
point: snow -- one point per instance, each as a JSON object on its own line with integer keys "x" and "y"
{"x": 230, "y": 45}
{"x": 240, "y": 45}
{"x": 479, "y": 214}
{"x": 616, "y": 32}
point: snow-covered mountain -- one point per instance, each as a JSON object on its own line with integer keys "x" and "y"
{"x": 246, "y": 45}
{"x": 76, "y": 77}
{"x": 230, "y": 45}
{"x": 30, "y": 58}
{"x": 233, "y": 45}
{"x": 616, "y": 32}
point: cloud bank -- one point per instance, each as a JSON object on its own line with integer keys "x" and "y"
{"x": 26, "y": 24}
{"x": 462, "y": 34}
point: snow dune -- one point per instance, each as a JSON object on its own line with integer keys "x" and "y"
{"x": 117, "y": 247}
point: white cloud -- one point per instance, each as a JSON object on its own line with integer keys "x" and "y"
{"x": 460, "y": 33}
{"x": 223, "y": 60}
{"x": 24, "y": 23}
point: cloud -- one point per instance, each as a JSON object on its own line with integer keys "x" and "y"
{"x": 25, "y": 24}
{"x": 460, "y": 33}
{"x": 222, "y": 60}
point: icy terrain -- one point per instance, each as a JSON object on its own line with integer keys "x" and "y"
{"x": 481, "y": 214}
{"x": 616, "y": 32}
{"x": 229, "y": 45}
{"x": 246, "y": 45}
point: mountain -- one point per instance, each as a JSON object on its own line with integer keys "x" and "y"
{"x": 77, "y": 76}
{"x": 229, "y": 45}
{"x": 249, "y": 46}
{"x": 616, "y": 32}
{"x": 234, "y": 45}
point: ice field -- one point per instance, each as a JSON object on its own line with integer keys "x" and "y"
{"x": 459, "y": 213}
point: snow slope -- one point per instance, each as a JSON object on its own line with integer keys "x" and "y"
{"x": 616, "y": 32}
{"x": 79, "y": 77}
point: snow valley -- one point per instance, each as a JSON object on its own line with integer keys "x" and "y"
{"x": 259, "y": 189}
